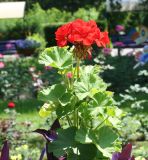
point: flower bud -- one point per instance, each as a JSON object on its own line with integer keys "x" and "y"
{"x": 69, "y": 75}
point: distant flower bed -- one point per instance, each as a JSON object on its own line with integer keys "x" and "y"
{"x": 27, "y": 44}
{"x": 27, "y": 47}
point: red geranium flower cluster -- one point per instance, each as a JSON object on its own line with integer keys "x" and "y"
{"x": 82, "y": 34}
{"x": 11, "y": 105}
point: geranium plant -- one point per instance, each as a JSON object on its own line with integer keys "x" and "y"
{"x": 86, "y": 110}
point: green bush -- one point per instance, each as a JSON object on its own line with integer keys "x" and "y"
{"x": 22, "y": 78}
{"x": 122, "y": 75}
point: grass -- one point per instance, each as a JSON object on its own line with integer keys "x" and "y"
{"x": 22, "y": 106}
{"x": 27, "y": 111}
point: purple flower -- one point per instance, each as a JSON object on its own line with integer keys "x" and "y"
{"x": 50, "y": 136}
{"x": 125, "y": 153}
{"x": 119, "y": 44}
{"x": 107, "y": 51}
{"x": 48, "y": 67}
{"x": 27, "y": 44}
{"x": 8, "y": 46}
{"x": 119, "y": 28}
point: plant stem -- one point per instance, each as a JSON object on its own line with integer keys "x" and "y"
{"x": 69, "y": 121}
{"x": 78, "y": 68}
{"x": 102, "y": 122}
{"x": 76, "y": 112}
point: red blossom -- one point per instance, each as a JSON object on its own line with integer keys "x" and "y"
{"x": 11, "y": 105}
{"x": 103, "y": 40}
{"x": 83, "y": 35}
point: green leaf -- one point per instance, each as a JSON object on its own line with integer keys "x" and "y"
{"x": 44, "y": 113}
{"x": 82, "y": 136}
{"x": 61, "y": 111}
{"x": 65, "y": 140}
{"x": 65, "y": 99}
{"x": 87, "y": 151}
{"x": 104, "y": 139}
{"x": 89, "y": 83}
{"x": 71, "y": 155}
{"x": 102, "y": 99}
{"x": 56, "y": 57}
{"x": 52, "y": 93}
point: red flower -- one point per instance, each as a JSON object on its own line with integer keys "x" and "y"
{"x": 104, "y": 40}
{"x": 11, "y": 105}
{"x": 62, "y": 34}
{"x": 82, "y": 34}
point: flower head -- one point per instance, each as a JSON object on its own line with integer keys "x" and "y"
{"x": 69, "y": 75}
{"x": 8, "y": 46}
{"x": 83, "y": 35}
{"x": 48, "y": 67}
{"x": 11, "y": 105}
{"x": 119, "y": 44}
{"x": 1, "y": 55}
{"x": 2, "y": 64}
{"x": 107, "y": 51}
{"x": 119, "y": 28}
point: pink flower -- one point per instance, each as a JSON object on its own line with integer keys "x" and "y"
{"x": 119, "y": 44}
{"x": 107, "y": 51}
{"x": 8, "y": 46}
{"x": 48, "y": 67}
{"x": 119, "y": 28}
{"x": 69, "y": 75}
{"x": 2, "y": 64}
{"x": 1, "y": 55}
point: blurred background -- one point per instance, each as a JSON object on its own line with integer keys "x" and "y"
{"x": 27, "y": 27}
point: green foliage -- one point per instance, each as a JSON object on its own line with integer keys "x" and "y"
{"x": 86, "y": 14}
{"x": 119, "y": 72}
{"x": 12, "y": 83}
{"x": 85, "y": 104}
{"x": 52, "y": 93}
{"x": 89, "y": 83}
{"x": 64, "y": 142}
{"x": 56, "y": 57}
{"x": 15, "y": 86}
{"x": 40, "y": 39}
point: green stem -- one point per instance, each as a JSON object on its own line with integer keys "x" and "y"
{"x": 76, "y": 112}
{"x": 78, "y": 68}
{"x": 69, "y": 121}
{"x": 102, "y": 122}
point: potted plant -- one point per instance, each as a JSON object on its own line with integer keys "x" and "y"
{"x": 27, "y": 47}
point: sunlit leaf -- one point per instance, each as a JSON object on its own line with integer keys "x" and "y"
{"x": 56, "y": 57}
{"x": 52, "y": 93}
